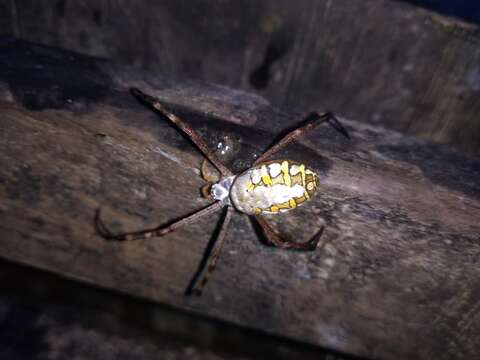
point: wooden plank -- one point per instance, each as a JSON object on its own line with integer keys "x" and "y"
{"x": 381, "y": 62}
{"x": 398, "y": 278}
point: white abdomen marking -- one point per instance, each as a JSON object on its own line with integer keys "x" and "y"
{"x": 273, "y": 187}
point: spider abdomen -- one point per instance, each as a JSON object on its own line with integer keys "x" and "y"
{"x": 273, "y": 187}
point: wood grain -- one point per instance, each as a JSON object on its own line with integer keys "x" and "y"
{"x": 399, "y": 278}
{"x": 382, "y": 62}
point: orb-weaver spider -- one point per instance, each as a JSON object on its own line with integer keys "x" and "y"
{"x": 267, "y": 187}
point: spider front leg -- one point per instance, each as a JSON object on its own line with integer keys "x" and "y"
{"x": 157, "y": 231}
{"x": 185, "y": 128}
{"x": 310, "y": 122}
{"x": 277, "y": 240}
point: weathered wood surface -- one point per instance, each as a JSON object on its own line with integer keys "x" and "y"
{"x": 398, "y": 280}
{"x": 382, "y": 62}
{"x": 58, "y": 319}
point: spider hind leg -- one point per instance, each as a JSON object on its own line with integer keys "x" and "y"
{"x": 212, "y": 254}
{"x": 275, "y": 239}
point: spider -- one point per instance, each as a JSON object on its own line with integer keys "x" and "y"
{"x": 268, "y": 187}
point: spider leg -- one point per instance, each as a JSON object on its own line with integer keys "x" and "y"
{"x": 277, "y": 240}
{"x": 157, "y": 231}
{"x": 187, "y": 129}
{"x": 310, "y": 122}
{"x": 205, "y": 191}
{"x": 207, "y": 174}
{"x": 211, "y": 259}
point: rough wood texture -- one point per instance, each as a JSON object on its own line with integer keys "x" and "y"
{"x": 59, "y": 319}
{"x": 398, "y": 280}
{"x": 382, "y": 62}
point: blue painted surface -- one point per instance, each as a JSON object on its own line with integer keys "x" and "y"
{"x": 468, "y": 10}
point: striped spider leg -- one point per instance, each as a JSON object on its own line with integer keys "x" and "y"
{"x": 252, "y": 192}
{"x": 189, "y": 219}
{"x": 310, "y": 122}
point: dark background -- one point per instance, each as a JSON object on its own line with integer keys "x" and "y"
{"x": 411, "y": 66}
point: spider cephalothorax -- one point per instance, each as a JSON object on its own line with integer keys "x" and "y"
{"x": 271, "y": 187}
